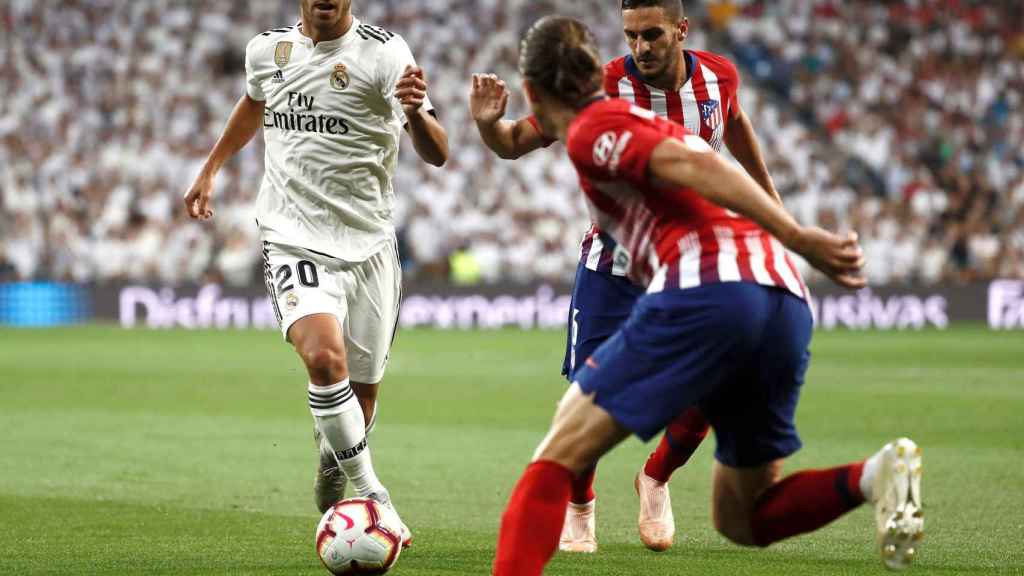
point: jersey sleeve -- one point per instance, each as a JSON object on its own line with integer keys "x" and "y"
{"x": 611, "y": 81}
{"x": 547, "y": 141}
{"x": 253, "y": 85}
{"x": 733, "y": 86}
{"x": 394, "y": 57}
{"x": 619, "y": 148}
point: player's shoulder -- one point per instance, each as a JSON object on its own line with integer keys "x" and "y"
{"x": 599, "y": 118}
{"x": 378, "y": 44}
{"x": 616, "y": 112}
{"x": 616, "y": 68}
{"x": 270, "y": 37}
{"x": 377, "y": 36}
{"x": 609, "y": 134}
{"x": 720, "y": 65}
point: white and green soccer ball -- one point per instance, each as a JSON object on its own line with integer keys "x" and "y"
{"x": 359, "y": 536}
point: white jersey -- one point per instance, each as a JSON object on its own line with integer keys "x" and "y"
{"x": 332, "y": 126}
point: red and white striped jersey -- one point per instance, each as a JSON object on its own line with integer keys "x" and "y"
{"x": 676, "y": 239}
{"x": 702, "y": 105}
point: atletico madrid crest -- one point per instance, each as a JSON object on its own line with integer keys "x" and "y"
{"x": 711, "y": 112}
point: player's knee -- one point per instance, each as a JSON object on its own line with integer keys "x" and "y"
{"x": 567, "y": 447}
{"x": 736, "y": 528}
{"x": 325, "y": 365}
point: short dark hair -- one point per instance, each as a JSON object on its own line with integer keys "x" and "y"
{"x": 674, "y": 8}
{"x": 559, "y": 55}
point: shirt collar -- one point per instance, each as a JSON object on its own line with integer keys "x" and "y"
{"x": 328, "y": 44}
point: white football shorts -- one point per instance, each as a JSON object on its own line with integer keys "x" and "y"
{"x": 363, "y": 296}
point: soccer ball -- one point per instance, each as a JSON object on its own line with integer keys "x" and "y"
{"x": 359, "y": 536}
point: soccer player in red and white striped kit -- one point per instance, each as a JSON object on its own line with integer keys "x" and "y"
{"x": 693, "y": 88}
{"x": 720, "y": 327}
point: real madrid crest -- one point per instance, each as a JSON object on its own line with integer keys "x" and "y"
{"x": 292, "y": 301}
{"x": 283, "y": 54}
{"x": 339, "y": 79}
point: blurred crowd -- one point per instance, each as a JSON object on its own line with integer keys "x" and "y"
{"x": 928, "y": 97}
{"x": 901, "y": 120}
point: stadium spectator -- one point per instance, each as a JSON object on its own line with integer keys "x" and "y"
{"x": 904, "y": 120}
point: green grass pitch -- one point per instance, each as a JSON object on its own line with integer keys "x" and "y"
{"x": 133, "y": 452}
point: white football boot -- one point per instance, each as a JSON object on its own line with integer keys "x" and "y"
{"x": 578, "y": 532}
{"x": 656, "y": 522}
{"x": 385, "y": 500}
{"x": 330, "y": 482}
{"x": 897, "y": 497}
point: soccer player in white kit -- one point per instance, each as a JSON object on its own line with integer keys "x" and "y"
{"x": 332, "y": 95}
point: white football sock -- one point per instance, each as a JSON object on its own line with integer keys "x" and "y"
{"x": 867, "y": 476}
{"x": 340, "y": 421}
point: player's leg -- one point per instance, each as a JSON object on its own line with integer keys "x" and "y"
{"x": 601, "y": 303}
{"x": 681, "y": 439}
{"x": 753, "y": 417}
{"x": 318, "y": 340}
{"x": 330, "y": 483}
{"x": 310, "y": 309}
{"x": 367, "y": 396}
{"x": 637, "y": 381}
{"x": 306, "y": 291}
{"x": 373, "y": 293}
{"x": 753, "y": 507}
{"x": 531, "y": 525}
{"x": 754, "y": 425}
{"x": 752, "y": 504}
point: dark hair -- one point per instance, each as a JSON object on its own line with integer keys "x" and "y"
{"x": 674, "y": 8}
{"x": 558, "y": 55}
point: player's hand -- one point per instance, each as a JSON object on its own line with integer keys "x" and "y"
{"x": 839, "y": 257}
{"x": 411, "y": 89}
{"x": 198, "y": 199}
{"x": 488, "y": 99}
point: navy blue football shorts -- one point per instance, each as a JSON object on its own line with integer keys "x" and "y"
{"x": 601, "y": 304}
{"x": 737, "y": 350}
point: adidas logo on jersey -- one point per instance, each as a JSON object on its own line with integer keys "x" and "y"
{"x": 278, "y": 77}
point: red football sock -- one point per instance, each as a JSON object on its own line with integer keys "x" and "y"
{"x": 806, "y": 501}
{"x": 532, "y": 522}
{"x": 681, "y": 439}
{"x": 583, "y": 487}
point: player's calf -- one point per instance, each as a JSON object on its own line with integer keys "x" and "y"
{"x": 533, "y": 520}
{"x": 805, "y": 501}
{"x": 681, "y": 439}
{"x": 366, "y": 394}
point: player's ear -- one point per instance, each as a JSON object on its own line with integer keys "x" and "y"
{"x": 682, "y": 29}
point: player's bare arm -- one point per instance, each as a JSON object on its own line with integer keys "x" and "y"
{"x": 428, "y": 136}
{"x": 742, "y": 143}
{"x": 245, "y": 121}
{"x": 488, "y": 102}
{"x": 693, "y": 164}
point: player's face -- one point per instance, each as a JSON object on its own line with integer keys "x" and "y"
{"x": 325, "y": 14}
{"x": 654, "y": 39}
